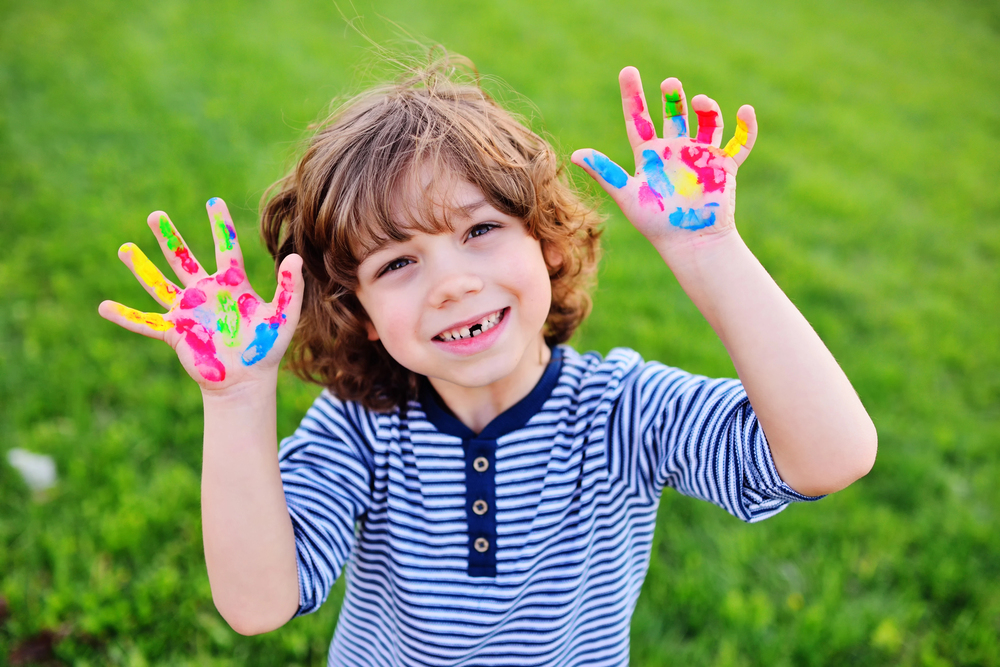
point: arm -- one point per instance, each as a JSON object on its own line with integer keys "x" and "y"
{"x": 230, "y": 341}
{"x": 682, "y": 199}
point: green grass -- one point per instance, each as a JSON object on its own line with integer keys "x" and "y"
{"x": 872, "y": 196}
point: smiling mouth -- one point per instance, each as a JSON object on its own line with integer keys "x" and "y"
{"x": 473, "y": 330}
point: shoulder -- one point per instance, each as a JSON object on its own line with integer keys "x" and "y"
{"x": 331, "y": 424}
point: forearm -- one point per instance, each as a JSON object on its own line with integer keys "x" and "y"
{"x": 249, "y": 542}
{"x": 820, "y": 434}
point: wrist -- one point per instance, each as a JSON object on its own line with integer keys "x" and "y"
{"x": 248, "y": 393}
{"x": 698, "y": 252}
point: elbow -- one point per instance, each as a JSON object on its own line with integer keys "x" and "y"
{"x": 856, "y": 459}
{"x": 248, "y": 620}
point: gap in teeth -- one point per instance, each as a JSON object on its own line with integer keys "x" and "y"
{"x": 476, "y": 329}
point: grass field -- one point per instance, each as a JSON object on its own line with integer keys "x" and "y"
{"x": 872, "y": 196}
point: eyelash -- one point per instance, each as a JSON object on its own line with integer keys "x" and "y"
{"x": 475, "y": 232}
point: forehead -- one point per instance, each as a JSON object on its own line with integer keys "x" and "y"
{"x": 421, "y": 203}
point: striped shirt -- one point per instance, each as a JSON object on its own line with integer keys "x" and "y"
{"x": 525, "y": 544}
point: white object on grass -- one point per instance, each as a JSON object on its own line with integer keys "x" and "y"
{"x": 38, "y": 470}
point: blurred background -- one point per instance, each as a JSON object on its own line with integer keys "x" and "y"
{"x": 871, "y": 196}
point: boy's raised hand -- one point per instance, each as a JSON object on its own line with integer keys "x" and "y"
{"x": 222, "y": 331}
{"x": 682, "y": 186}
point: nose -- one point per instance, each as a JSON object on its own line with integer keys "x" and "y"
{"x": 452, "y": 281}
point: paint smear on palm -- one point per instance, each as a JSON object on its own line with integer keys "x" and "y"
{"x": 674, "y": 109}
{"x": 642, "y": 124}
{"x": 150, "y": 275}
{"x": 266, "y": 333}
{"x": 176, "y": 246}
{"x": 739, "y": 140}
{"x": 199, "y": 340}
{"x": 228, "y": 323}
{"x": 154, "y": 321}
{"x": 696, "y": 174}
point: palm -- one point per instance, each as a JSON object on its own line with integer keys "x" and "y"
{"x": 222, "y": 331}
{"x": 681, "y": 185}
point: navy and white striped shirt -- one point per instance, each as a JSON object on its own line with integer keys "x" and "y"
{"x": 526, "y": 544}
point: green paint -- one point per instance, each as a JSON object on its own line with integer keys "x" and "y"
{"x": 673, "y": 101}
{"x": 229, "y": 318}
{"x": 224, "y": 233}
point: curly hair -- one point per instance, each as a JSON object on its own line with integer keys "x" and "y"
{"x": 337, "y": 205}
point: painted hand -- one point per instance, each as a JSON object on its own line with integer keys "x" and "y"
{"x": 222, "y": 331}
{"x": 682, "y": 186}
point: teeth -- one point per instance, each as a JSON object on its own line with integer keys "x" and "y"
{"x": 476, "y": 329}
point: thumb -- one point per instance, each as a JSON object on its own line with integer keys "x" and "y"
{"x": 290, "y": 291}
{"x": 602, "y": 169}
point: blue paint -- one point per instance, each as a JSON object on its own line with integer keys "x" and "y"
{"x": 608, "y": 170}
{"x": 680, "y": 124}
{"x": 211, "y": 202}
{"x": 205, "y": 317}
{"x": 655, "y": 176}
{"x": 264, "y": 336}
{"x": 694, "y": 219}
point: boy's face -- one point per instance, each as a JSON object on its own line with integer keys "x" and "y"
{"x": 464, "y": 307}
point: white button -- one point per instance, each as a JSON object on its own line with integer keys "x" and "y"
{"x": 480, "y": 507}
{"x": 480, "y": 464}
{"x": 481, "y": 544}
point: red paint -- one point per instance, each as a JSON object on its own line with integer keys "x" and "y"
{"x": 187, "y": 261}
{"x": 649, "y": 195}
{"x": 193, "y": 298}
{"x": 248, "y": 304}
{"x": 707, "y": 125}
{"x": 284, "y": 298}
{"x": 642, "y": 126}
{"x": 232, "y": 277}
{"x": 704, "y": 163}
{"x": 199, "y": 340}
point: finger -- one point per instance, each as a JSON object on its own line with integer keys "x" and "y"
{"x": 637, "y": 121}
{"x": 709, "y": 120}
{"x": 161, "y": 289}
{"x": 228, "y": 256}
{"x": 675, "y": 110}
{"x": 287, "y": 304}
{"x": 174, "y": 249}
{"x": 609, "y": 175}
{"x": 741, "y": 144}
{"x": 147, "y": 324}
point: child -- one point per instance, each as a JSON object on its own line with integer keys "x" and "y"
{"x": 491, "y": 491}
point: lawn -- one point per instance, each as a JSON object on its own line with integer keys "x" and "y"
{"x": 872, "y": 197}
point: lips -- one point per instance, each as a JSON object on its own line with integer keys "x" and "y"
{"x": 472, "y": 328}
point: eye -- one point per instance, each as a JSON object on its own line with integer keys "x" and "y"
{"x": 394, "y": 265}
{"x": 481, "y": 229}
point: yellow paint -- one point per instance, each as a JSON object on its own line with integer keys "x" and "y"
{"x": 739, "y": 139}
{"x": 150, "y": 275}
{"x": 154, "y": 321}
{"x": 686, "y": 183}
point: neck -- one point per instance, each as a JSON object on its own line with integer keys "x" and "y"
{"x": 478, "y": 406}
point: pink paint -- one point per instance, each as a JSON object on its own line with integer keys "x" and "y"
{"x": 193, "y": 298}
{"x": 199, "y": 340}
{"x": 705, "y": 165}
{"x": 642, "y": 126}
{"x": 648, "y": 195}
{"x": 707, "y": 125}
{"x": 232, "y": 277}
{"x": 248, "y": 304}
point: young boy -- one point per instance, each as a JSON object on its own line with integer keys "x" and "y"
{"x": 492, "y": 492}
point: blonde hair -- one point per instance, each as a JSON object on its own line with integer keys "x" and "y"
{"x": 338, "y": 204}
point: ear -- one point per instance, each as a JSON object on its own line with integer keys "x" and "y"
{"x": 553, "y": 258}
{"x": 370, "y": 328}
